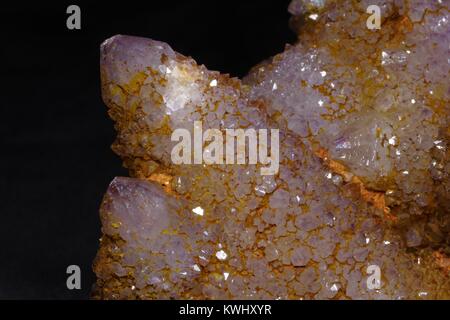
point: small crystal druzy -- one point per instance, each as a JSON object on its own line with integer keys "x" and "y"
{"x": 363, "y": 178}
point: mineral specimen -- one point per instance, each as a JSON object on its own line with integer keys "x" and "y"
{"x": 363, "y": 178}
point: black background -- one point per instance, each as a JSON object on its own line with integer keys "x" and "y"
{"x": 55, "y": 135}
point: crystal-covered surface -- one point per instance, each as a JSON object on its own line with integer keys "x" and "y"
{"x": 363, "y": 180}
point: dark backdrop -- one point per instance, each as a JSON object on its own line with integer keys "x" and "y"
{"x": 55, "y": 135}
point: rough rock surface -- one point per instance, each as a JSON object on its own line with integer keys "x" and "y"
{"x": 364, "y": 173}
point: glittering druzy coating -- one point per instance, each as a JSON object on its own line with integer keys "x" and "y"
{"x": 364, "y": 173}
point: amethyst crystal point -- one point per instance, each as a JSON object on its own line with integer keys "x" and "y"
{"x": 362, "y": 189}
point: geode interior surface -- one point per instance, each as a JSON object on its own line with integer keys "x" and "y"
{"x": 363, "y": 176}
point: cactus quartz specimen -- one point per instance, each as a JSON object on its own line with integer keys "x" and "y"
{"x": 363, "y": 174}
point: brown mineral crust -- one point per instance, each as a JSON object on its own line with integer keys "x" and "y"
{"x": 164, "y": 180}
{"x": 373, "y": 197}
{"x": 443, "y": 261}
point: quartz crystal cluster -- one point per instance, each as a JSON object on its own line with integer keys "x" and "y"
{"x": 363, "y": 179}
